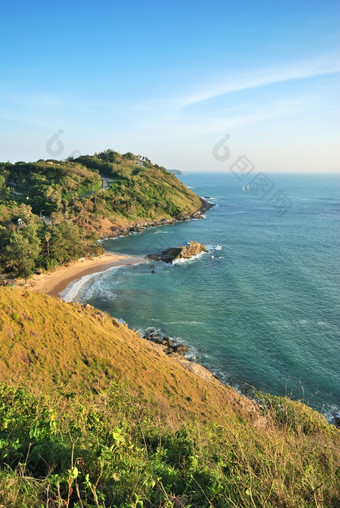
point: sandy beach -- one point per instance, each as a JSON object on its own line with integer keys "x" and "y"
{"x": 54, "y": 282}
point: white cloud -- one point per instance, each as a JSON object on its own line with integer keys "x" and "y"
{"x": 264, "y": 77}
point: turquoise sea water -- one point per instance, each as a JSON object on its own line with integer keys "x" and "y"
{"x": 262, "y": 307}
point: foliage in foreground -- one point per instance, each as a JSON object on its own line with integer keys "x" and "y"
{"x": 115, "y": 453}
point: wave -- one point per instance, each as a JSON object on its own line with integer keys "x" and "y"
{"x": 322, "y": 323}
{"x": 198, "y": 256}
{"x": 181, "y": 261}
{"x": 203, "y": 216}
{"x": 332, "y": 414}
{"x": 214, "y": 247}
{"x": 177, "y": 322}
{"x": 70, "y": 293}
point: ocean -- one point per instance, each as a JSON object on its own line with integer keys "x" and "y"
{"x": 260, "y": 309}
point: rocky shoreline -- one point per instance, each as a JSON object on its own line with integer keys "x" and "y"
{"x": 164, "y": 343}
{"x": 178, "y": 352}
{"x": 167, "y": 344}
{"x": 139, "y": 227}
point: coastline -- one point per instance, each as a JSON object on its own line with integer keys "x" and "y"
{"x": 54, "y": 282}
{"x": 116, "y": 232}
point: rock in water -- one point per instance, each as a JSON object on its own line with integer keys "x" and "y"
{"x": 191, "y": 250}
{"x": 187, "y": 252}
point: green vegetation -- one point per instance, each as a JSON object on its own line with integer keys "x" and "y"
{"x": 93, "y": 415}
{"x": 69, "y": 195}
{"x": 22, "y": 251}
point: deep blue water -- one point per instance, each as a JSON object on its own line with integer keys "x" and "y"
{"x": 262, "y": 309}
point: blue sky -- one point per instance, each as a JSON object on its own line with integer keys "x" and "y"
{"x": 169, "y": 79}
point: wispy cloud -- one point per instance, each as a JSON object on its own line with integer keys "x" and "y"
{"x": 190, "y": 111}
{"x": 231, "y": 82}
{"x": 263, "y": 77}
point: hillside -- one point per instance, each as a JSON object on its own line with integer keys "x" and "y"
{"x": 93, "y": 415}
{"x": 61, "y": 208}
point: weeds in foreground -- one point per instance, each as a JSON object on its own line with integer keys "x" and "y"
{"x": 113, "y": 453}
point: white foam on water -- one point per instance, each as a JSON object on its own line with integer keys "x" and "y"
{"x": 72, "y": 290}
{"x": 178, "y": 322}
{"x": 214, "y": 247}
{"x": 187, "y": 260}
{"x": 322, "y": 323}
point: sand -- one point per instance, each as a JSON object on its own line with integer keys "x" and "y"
{"x": 54, "y": 282}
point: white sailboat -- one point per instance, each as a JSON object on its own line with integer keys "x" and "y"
{"x": 248, "y": 187}
{"x": 243, "y": 189}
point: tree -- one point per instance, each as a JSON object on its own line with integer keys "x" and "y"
{"x": 65, "y": 243}
{"x": 4, "y": 191}
{"x": 47, "y": 240}
{"x": 22, "y": 252}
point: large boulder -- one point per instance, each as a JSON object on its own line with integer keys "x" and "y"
{"x": 186, "y": 252}
{"x": 191, "y": 250}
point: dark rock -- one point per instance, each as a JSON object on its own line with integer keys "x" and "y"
{"x": 170, "y": 348}
{"x": 154, "y": 257}
{"x": 153, "y": 271}
{"x": 180, "y": 349}
{"x": 205, "y": 206}
{"x": 136, "y": 229}
{"x": 167, "y": 341}
{"x": 186, "y": 252}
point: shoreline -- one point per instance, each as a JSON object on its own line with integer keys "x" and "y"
{"x": 143, "y": 225}
{"x": 52, "y": 283}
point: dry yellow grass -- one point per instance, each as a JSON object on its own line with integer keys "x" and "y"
{"x": 52, "y": 346}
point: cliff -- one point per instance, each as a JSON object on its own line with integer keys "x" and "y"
{"x": 91, "y": 414}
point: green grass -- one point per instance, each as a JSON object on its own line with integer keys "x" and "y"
{"x": 115, "y": 453}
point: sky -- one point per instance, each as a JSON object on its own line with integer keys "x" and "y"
{"x": 171, "y": 79}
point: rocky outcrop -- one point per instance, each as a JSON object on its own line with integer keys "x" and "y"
{"x": 175, "y": 253}
{"x": 197, "y": 369}
{"x": 178, "y": 352}
{"x": 191, "y": 250}
{"x": 166, "y": 344}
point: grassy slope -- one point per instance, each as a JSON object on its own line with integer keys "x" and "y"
{"x": 50, "y": 346}
{"x": 106, "y": 419}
